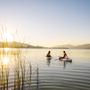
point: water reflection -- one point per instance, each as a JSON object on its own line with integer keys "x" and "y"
{"x": 37, "y": 78}
{"x": 14, "y": 65}
{"x": 5, "y": 60}
{"x": 22, "y": 73}
{"x": 7, "y": 56}
{"x": 65, "y": 63}
{"x": 49, "y": 60}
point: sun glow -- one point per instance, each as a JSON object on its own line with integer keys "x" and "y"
{"x": 7, "y": 37}
{"x": 5, "y": 60}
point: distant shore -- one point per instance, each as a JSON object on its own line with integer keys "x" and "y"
{"x": 25, "y": 45}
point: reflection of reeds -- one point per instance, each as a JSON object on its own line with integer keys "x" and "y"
{"x": 20, "y": 75}
{"x": 22, "y": 64}
{"x": 7, "y": 77}
{"x": 30, "y": 68}
{"x": 17, "y": 77}
{"x": 4, "y": 77}
{"x": 37, "y": 77}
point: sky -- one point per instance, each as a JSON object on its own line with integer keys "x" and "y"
{"x": 46, "y": 22}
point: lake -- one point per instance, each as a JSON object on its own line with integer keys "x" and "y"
{"x": 39, "y": 73}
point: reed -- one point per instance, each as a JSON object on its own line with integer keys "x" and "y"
{"x": 7, "y": 76}
{"x": 19, "y": 74}
{"x": 30, "y": 73}
{"x": 22, "y": 66}
{"x": 2, "y": 77}
{"x": 37, "y": 77}
{"x": 17, "y": 78}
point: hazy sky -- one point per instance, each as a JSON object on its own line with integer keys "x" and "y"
{"x": 47, "y": 22}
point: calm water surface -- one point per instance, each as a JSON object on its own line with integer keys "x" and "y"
{"x": 57, "y": 75}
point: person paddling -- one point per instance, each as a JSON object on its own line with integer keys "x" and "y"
{"x": 48, "y": 54}
{"x": 64, "y": 55}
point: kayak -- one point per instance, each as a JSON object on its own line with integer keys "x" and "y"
{"x": 66, "y": 59}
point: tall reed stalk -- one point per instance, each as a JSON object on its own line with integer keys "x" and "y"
{"x": 7, "y": 77}
{"x": 22, "y": 66}
{"x": 37, "y": 77}
{"x": 19, "y": 71}
{"x": 30, "y": 73}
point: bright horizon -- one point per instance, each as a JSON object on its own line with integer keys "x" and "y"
{"x": 46, "y": 22}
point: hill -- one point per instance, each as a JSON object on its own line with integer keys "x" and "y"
{"x": 66, "y": 46}
{"x": 25, "y": 45}
{"x": 17, "y": 45}
{"x": 83, "y": 46}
